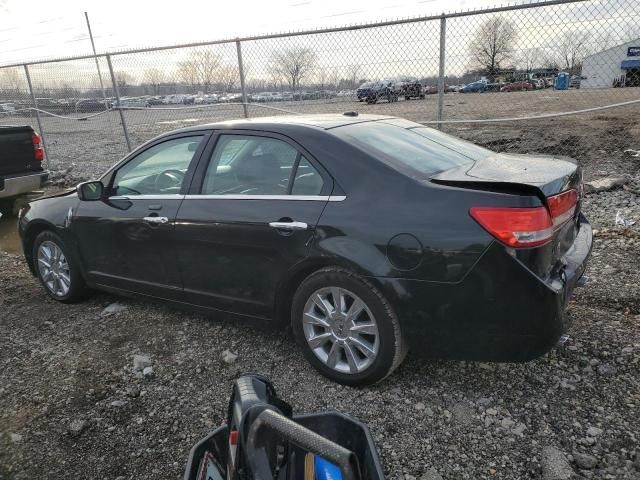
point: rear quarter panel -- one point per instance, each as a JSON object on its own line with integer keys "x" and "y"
{"x": 380, "y": 203}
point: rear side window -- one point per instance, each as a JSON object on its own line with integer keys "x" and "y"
{"x": 456, "y": 144}
{"x": 254, "y": 165}
{"x": 408, "y": 150}
{"x": 308, "y": 181}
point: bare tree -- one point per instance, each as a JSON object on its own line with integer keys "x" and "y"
{"x": 123, "y": 80}
{"x": 186, "y": 73}
{"x": 572, "y": 49}
{"x": 322, "y": 76}
{"x": 200, "y": 69}
{"x": 353, "y": 74}
{"x": 154, "y": 77}
{"x": 334, "y": 78}
{"x": 530, "y": 59}
{"x": 228, "y": 77}
{"x": 293, "y": 64}
{"x": 256, "y": 84}
{"x": 492, "y": 44}
{"x": 11, "y": 79}
{"x": 631, "y": 32}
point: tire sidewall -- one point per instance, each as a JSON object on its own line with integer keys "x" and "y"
{"x": 388, "y": 328}
{"x": 77, "y": 288}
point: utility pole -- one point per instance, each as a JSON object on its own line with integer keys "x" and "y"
{"x": 95, "y": 56}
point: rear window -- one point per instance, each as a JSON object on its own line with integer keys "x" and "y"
{"x": 415, "y": 151}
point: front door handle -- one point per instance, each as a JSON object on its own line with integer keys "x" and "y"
{"x": 289, "y": 225}
{"x": 156, "y": 219}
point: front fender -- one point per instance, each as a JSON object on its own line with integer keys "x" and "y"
{"x": 54, "y": 214}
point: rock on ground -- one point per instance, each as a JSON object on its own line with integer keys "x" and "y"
{"x": 113, "y": 309}
{"x": 228, "y": 356}
{"x": 605, "y": 184}
{"x": 555, "y": 465}
{"x": 140, "y": 362}
{"x": 584, "y": 461}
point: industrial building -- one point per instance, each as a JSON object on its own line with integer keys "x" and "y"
{"x": 616, "y": 66}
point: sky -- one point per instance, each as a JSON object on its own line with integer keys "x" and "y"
{"x": 41, "y": 29}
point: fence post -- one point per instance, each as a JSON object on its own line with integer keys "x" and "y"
{"x": 117, "y": 95}
{"x": 242, "y": 87}
{"x": 443, "y": 36}
{"x": 35, "y": 105}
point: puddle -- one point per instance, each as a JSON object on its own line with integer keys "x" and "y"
{"x": 9, "y": 239}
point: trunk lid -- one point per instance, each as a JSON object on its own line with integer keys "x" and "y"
{"x": 544, "y": 175}
{"x": 539, "y": 175}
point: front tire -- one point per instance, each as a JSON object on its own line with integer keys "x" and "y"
{"x": 57, "y": 270}
{"x": 346, "y": 328}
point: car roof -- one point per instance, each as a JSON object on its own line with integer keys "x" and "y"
{"x": 317, "y": 121}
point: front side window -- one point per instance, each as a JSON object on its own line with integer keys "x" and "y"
{"x": 253, "y": 165}
{"x": 159, "y": 170}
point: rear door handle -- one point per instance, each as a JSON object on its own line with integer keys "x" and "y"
{"x": 289, "y": 225}
{"x": 156, "y": 219}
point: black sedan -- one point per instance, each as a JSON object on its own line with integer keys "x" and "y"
{"x": 369, "y": 235}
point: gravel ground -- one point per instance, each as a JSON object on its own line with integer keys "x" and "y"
{"x": 72, "y": 406}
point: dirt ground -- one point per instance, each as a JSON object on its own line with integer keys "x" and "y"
{"x": 71, "y": 405}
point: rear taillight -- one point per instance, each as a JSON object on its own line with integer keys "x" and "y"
{"x": 38, "y": 149}
{"x": 562, "y": 207}
{"x": 516, "y": 227}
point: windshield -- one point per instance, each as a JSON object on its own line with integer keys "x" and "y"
{"x": 417, "y": 151}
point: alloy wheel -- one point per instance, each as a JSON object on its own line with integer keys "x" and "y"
{"x": 341, "y": 330}
{"x": 54, "y": 268}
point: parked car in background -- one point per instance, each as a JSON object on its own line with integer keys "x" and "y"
{"x": 411, "y": 88}
{"x": 21, "y": 170}
{"x": 131, "y": 102}
{"x": 55, "y": 106}
{"x": 90, "y": 105}
{"x": 270, "y": 209}
{"x": 495, "y": 87}
{"x": 430, "y": 89}
{"x": 231, "y": 98}
{"x": 326, "y": 94}
{"x": 388, "y": 90}
{"x": 172, "y": 99}
{"x": 517, "y": 86}
{"x": 7, "y": 108}
{"x": 363, "y": 90}
{"x": 260, "y": 96}
{"x": 154, "y": 100}
{"x": 575, "y": 80}
{"x": 346, "y": 93}
{"x": 478, "y": 86}
{"x": 268, "y": 97}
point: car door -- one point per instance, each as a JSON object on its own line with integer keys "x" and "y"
{"x": 127, "y": 240}
{"x": 249, "y": 219}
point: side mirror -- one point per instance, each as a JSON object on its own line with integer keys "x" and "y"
{"x": 90, "y": 191}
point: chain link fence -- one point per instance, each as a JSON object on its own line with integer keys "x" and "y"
{"x": 560, "y": 77}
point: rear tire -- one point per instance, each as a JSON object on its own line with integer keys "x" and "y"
{"x": 346, "y": 328}
{"x": 57, "y": 269}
